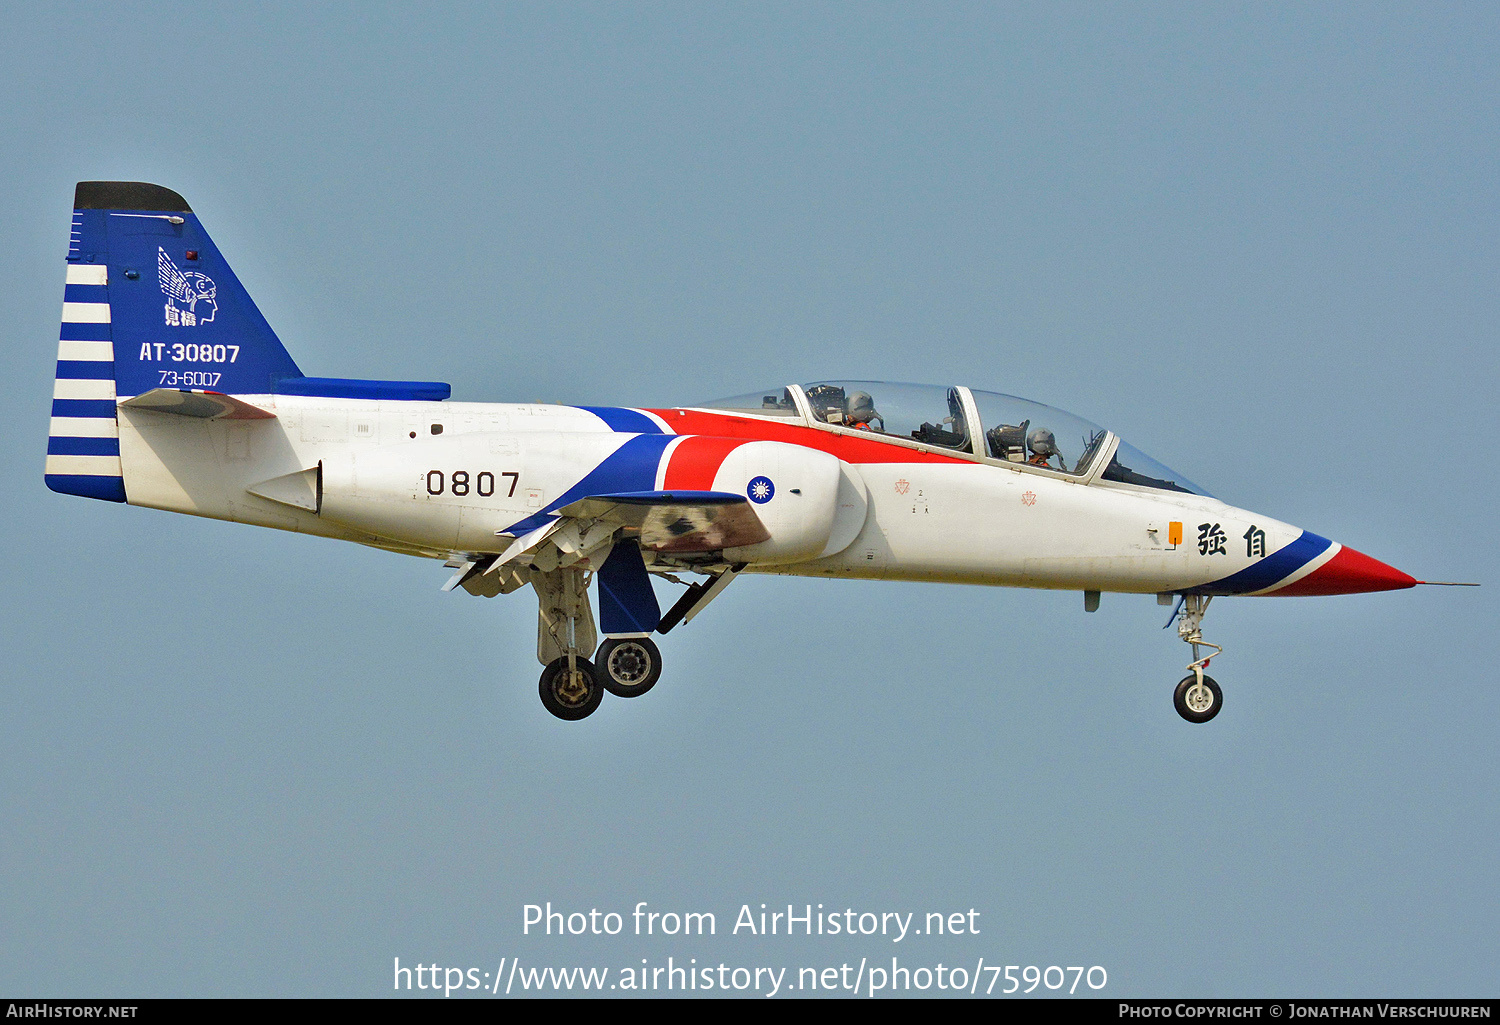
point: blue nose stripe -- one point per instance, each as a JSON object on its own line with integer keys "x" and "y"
{"x": 1271, "y": 570}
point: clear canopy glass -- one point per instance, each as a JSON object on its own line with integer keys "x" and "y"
{"x": 1062, "y": 441}
{"x": 1132, "y": 466}
{"x": 1009, "y": 429}
{"x": 766, "y": 402}
{"x": 1021, "y": 431}
{"x": 920, "y": 412}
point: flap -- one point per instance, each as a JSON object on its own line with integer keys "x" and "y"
{"x": 677, "y": 521}
{"x": 202, "y": 405}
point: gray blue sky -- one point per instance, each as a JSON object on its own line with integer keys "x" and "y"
{"x": 1260, "y": 242}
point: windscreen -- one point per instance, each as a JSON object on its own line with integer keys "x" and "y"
{"x": 1132, "y": 466}
{"x": 766, "y": 402}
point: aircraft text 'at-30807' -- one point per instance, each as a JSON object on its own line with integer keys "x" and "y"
{"x": 173, "y": 392}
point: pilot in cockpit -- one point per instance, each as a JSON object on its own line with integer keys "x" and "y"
{"x": 860, "y": 413}
{"x": 1043, "y": 446}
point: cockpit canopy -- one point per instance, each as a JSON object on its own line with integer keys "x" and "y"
{"x": 992, "y": 426}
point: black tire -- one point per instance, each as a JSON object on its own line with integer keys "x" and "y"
{"x": 1193, "y": 709}
{"x": 575, "y": 701}
{"x": 630, "y": 666}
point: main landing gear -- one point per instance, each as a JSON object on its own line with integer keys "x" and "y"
{"x": 565, "y": 637}
{"x": 560, "y": 569}
{"x": 1197, "y": 698}
{"x": 572, "y": 686}
{"x": 630, "y": 666}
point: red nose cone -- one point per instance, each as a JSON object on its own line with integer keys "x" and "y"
{"x": 1350, "y": 572}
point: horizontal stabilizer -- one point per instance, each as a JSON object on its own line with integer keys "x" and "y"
{"x": 301, "y": 490}
{"x": 202, "y": 405}
{"x": 677, "y": 521}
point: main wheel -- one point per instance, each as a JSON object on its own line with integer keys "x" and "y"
{"x": 1195, "y": 702}
{"x": 573, "y": 695}
{"x": 630, "y": 667}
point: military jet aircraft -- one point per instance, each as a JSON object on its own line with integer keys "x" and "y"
{"x": 173, "y": 392}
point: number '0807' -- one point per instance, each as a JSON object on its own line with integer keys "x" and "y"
{"x": 461, "y": 483}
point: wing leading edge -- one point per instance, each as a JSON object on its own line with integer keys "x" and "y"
{"x": 676, "y": 521}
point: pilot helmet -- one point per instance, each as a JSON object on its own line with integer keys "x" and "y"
{"x": 862, "y": 407}
{"x": 1042, "y": 442}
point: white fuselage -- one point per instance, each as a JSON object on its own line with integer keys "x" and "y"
{"x": 962, "y": 520}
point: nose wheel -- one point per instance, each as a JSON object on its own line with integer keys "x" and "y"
{"x": 1197, "y": 698}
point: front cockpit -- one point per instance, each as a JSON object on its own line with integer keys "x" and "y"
{"x": 983, "y": 425}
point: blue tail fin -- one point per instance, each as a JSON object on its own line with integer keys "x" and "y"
{"x": 150, "y": 303}
{"x": 178, "y": 315}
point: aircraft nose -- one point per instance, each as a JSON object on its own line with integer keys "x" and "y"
{"x": 1350, "y": 572}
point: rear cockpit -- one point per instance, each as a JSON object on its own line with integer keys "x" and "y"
{"x": 982, "y": 425}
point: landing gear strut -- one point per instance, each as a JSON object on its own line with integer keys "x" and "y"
{"x": 627, "y": 664}
{"x": 1197, "y": 698}
{"x": 570, "y": 686}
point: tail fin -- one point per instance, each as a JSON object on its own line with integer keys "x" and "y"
{"x": 149, "y": 303}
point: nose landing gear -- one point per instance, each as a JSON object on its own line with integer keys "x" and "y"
{"x": 1197, "y": 698}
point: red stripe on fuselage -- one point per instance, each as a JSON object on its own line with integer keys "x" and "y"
{"x": 846, "y": 447}
{"x": 695, "y": 462}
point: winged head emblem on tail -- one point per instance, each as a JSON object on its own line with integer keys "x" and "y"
{"x": 190, "y": 295}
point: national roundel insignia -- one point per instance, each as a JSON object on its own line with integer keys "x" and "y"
{"x": 761, "y": 490}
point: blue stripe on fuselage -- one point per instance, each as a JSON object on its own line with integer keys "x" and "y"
{"x": 631, "y": 467}
{"x": 1271, "y": 570}
{"x": 624, "y": 421}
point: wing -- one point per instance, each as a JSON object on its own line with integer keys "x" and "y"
{"x": 676, "y": 521}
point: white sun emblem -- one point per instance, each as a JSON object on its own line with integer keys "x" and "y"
{"x": 760, "y": 490}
